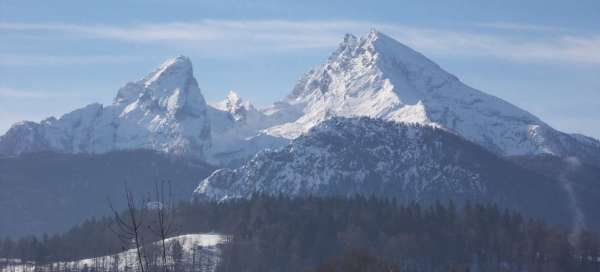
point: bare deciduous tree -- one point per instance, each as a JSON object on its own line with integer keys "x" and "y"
{"x": 129, "y": 226}
{"x": 164, "y": 224}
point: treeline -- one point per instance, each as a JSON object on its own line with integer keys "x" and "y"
{"x": 91, "y": 238}
{"x": 278, "y": 234}
{"x": 347, "y": 234}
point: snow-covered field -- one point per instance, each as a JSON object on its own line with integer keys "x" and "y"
{"x": 200, "y": 252}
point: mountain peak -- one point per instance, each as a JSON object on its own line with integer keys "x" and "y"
{"x": 374, "y": 34}
{"x": 377, "y": 47}
{"x": 380, "y": 77}
{"x": 164, "y": 111}
{"x": 349, "y": 39}
{"x": 173, "y": 74}
{"x": 180, "y": 60}
{"x": 235, "y": 105}
{"x": 180, "y": 66}
{"x": 373, "y": 56}
{"x": 391, "y": 49}
{"x": 233, "y": 98}
{"x": 352, "y": 42}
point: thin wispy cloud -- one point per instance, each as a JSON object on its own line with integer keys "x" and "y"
{"x": 225, "y": 37}
{"x": 551, "y": 48}
{"x": 12, "y": 93}
{"x": 523, "y": 27}
{"x": 36, "y": 60}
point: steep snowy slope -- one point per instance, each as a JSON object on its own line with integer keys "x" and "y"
{"x": 379, "y": 77}
{"x": 370, "y": 156}
{"x": 164, "y": 111}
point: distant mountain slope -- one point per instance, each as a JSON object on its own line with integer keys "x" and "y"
{"x": 378, "y": 77}
{"x": 342, "y": 156}
{"x": 50, "y": 192}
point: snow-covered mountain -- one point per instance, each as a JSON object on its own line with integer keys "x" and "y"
{"x": 164, "y": 111}
{"x": 346, "y": 156}
{"x": 239, "y": 109}
{"x": 377, "y": 76}
{"x": 373, "y": 76}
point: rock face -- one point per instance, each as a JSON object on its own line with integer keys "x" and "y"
{"x": 346, "y": 156}
{"x": 378, "y": 77}
{"x": 164, "y": 111}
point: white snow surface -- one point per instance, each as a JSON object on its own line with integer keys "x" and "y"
{"x": 190, "y": 242}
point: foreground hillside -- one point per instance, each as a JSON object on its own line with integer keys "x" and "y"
{"x": 342, "y": 234}
{"x": 192, "y": 252}
{"x": 49, "y": 192}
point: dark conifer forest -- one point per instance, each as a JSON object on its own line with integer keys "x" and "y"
{"x": 346, "y": 234}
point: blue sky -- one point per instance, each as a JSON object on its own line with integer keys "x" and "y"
{"x": 55, "y": 56}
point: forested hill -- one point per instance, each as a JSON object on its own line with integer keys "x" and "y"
{"x": 51, "y": 192}
{"x": 335, "y": 234}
